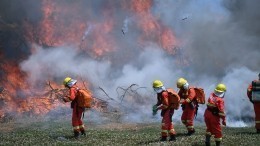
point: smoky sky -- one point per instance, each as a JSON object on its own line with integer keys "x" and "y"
{"x": 216, "y": 36}
{"x": 219, "y": 40}
{"x": 220, "y": 35}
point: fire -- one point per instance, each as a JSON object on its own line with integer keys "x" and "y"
{"x": 60, "y": 24}
{"x": 141, "y": 6}
{"x": 103, "y": 42}
{"x": 14, "y": 79}
{"x": 168, "y": 41}
{"x": 18, "y": 96}
{"x": 151, "y": 27}
{"x": 63, "y": 23}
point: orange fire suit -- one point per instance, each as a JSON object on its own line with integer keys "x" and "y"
{"x": 77, "y": 112}
{"x": 189, "y": 107}
{"x": 166, "y": 112}
{"x": 212, "y": 116}
{"x": 256, "y": 108}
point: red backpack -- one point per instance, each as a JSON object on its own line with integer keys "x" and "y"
{"x": 84, "y": 98}
{"x": 200, "y": 95}
{"x": 174, "y": 98}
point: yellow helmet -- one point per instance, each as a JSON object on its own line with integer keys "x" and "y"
{"x": 221, "y": 88}
{"x": 157, "y": 83}
{"x": 181, "y": 82}
{"x": 66, "y": 80}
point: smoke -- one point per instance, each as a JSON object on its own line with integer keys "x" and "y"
{"x": 219, "y": 35}
{"x": 67, "y": 61}
{"x": 219, "y": 40}
{"x": 99, "y": 72}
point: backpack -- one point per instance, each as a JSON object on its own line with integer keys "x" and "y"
{"x": 84, "y": 98}
{"x": 200, "y": 95}
{"x": 174, "y": 98}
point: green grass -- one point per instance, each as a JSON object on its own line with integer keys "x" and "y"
{"x": 60, "y": 133}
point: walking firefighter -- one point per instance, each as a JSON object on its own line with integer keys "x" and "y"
{"x": 214, "y": 113}
{"x": 167, "y": 102}
{"x": 190, "y": 98}
{"x": 80, "y": 99}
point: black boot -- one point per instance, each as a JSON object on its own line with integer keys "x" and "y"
{"x": 163, "y": 138}
{"x": 218, "y": 143}
{"x": 207, "y": 141}
{"x": 76, "y": 134}
{"x": 190, "y": 132}
{"x": 83, "y": 133}
{"x": 172, "y": 138}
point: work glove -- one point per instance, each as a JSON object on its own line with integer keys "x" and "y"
{"x": 224, "y": 122}
{"x": 155, "y": 110}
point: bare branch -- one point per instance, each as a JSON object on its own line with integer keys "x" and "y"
{"x": 49, "y": 83}
{"x": 56, "y": 92}
{"x": 126, "y": 91}
{"x": 106, "y": 93}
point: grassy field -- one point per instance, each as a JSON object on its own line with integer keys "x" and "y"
{"x": 60, "y": 133}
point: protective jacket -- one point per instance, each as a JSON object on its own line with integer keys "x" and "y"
{"x": 256, "y": 107}
{"x": 214, "y": 112}
{"x": 189, "y": 107}
{"x": 77, "y": 112}
{"x": 166, "y": 112}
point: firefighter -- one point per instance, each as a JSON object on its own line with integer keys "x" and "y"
{"x": 256, "y": 104}
{"x": 77, "y": 123}
{"x": 189, "y": 105}
{"x": 214, "y": 113}
{"x": 166, "y": 111}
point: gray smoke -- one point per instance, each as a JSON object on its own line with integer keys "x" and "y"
{"x": 219, "y": 35}
{"x": 219, "y": 39}
{"x": 97, "y": 72}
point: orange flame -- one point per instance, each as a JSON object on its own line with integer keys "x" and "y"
{"x": 151, "y": 27}
{"x": 168, "y": 41}
{"x": 61, "y": 24}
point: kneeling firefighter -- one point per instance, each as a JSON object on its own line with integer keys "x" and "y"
{"x": 167, "y": 110}
{"x": 77, "y": 122}
{"x": 213, "y": 114}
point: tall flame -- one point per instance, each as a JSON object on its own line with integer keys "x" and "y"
{"x": 65, "y": 23}
{"x": 152, "y": 29}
